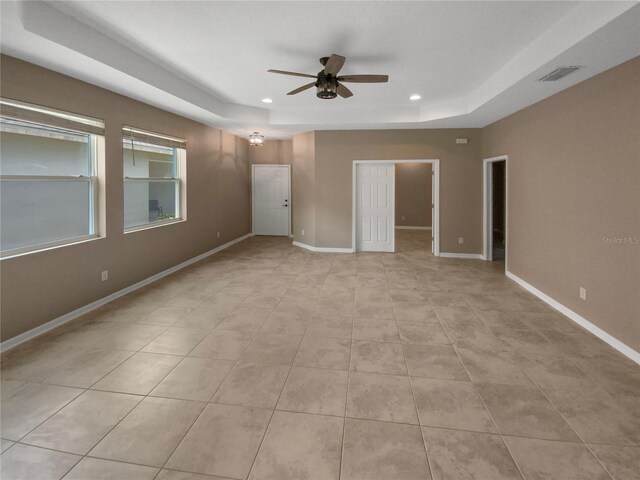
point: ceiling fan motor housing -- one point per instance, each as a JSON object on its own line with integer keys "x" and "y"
{"x": 327, "y": 86}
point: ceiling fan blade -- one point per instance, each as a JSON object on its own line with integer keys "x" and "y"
{"x": 302, "y": 88}
{"x": 295, "y": 74}
{"x": 334, "y": 64}
{"x": 344, "y": 92}
{"x": 364, "y": 78}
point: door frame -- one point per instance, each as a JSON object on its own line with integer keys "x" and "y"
{"x": 253, "y": 197}
{"x": 435, "y": 220}
{"x": 487, "y": 205}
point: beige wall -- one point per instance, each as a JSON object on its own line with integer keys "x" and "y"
{"x": 304, "y": 188}
{"x": 273, "y": 152}
{"x": 41, "y": 286}
{"x": 574, "y": 170}
{"x": 460, "y": 180}
{"x": 413, "y": 194}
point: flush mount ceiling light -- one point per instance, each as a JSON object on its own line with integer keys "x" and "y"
{"x": 256, "y": 140}
{"x": 267, "y": 100}
{"x": 415, "y": 96}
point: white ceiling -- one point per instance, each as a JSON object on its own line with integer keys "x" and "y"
{"x": 472, "y": 62}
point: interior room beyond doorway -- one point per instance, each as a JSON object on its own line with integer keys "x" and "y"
{"x": 413, "y": 206}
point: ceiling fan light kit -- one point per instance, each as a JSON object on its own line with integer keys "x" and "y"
{"x": 327, "y": 82}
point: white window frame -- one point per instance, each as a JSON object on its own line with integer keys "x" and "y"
{"x": 96, "y": 160}
{"x": 180, "y": 155}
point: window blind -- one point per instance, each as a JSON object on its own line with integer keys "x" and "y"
{"x": 25, "y": 112}
{"x": 152, "y": 138}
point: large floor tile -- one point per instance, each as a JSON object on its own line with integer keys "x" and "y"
{"x": 495, "y": 367}
{"x": 434, "y": 362}
{"x": 98, "y": 469}
{"x": 80, "y": 425}
{"x": 377, "y": 357}
{"x": 460, "y": 455}
{"x": 289, "y": 323}
{"x": 321, "y": 352}
{"x": 138, "y": 374}
{"x": 548, "y": 460}
{"x": 378, "y": 329}
{"x": 22, "y": 462}
{"x": 423, "y": 333}
{"x": 194, "y": 379}
{"x": 253, "y": 385}
{"x": 381, "y": 397}
{"x": 621, "y": 462}
{"x": 272, "y": 349}
{"x": 382, "y": 451}
{"x": 313, "y": 390}
{"x": 176, "y": 341}
{"x": 150, "y": 433}
{"x": 222, "y": 345}
{"x": 596, "y": 416}
{"x": 224, "y": 441}
{"x": 300, "y": 446}
{"x": 330, "y": 325}
{"x": 87, "y": 368}
{"x": 525, "y": 411}
{"x": 31, "y": 405}
{"x": 451, "y": 404}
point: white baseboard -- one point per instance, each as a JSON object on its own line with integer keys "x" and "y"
{"x": 67, "y": 317}
{"x": 322, "y": 249}
{"x": 472, "y": 256}
{"x": 583, "y": 322}
{"x": 399, "y": 227}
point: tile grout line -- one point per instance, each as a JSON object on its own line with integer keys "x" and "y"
{"x": 413, "y": 393}
{"x": 346, "y": 396}
{"x": 284, "y": 384}
{"x": 569, "y": 425}
{"x": 477, "y": 392}
{"x": 224, "y": 379}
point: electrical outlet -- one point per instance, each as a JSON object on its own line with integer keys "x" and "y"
{"x": 583, "y": 293}
{"x": 218, "y": 234}
{"x": 105, "y": 275}
{"x": 303, "y": 232}
{"x": 460, "y": 240}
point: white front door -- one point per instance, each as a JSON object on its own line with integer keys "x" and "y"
{"x": 375, "y": 207}
{"x": 271, "y": 199}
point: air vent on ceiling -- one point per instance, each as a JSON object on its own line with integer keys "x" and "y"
{"x": 558, "y": 73}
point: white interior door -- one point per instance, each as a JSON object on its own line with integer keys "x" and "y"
{"x": 375, "y": 207}
{"x": 271, "y": 199}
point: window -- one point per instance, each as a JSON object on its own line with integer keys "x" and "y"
{"x": 154, "y": 173}
{"x": 48, "y": 177}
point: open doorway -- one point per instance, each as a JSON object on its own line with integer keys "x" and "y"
{"x": 495, "y": 208}
{"x": 414, "y": 207}
{"x": 374, "y": 206}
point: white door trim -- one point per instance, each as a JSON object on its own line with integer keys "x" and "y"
{"x": 487, "y": 228}
{"x": 253, "y": 196}
{"x": 435, "y": 221}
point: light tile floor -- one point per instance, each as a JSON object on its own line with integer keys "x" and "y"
{"x": 269, "y": 362}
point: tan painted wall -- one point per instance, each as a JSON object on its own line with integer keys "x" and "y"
{"x": 574, "y": 170}
{"x": 273, "y": 152}
{"x": 413, "y": 194}
{"x": 460, "y": 180}
{"x": 39, "y": 287}
{"x": 304, "y": 188}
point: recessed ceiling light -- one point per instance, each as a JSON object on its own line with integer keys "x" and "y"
{"x": 267, "y": 100}
{"x": 415, "y": 96}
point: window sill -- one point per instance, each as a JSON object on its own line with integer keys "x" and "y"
{"x": 45, "y": 248}
{"x": 153, "y": 225}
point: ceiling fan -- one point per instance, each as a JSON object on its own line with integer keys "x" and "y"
{"x": 327, "y": 81}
